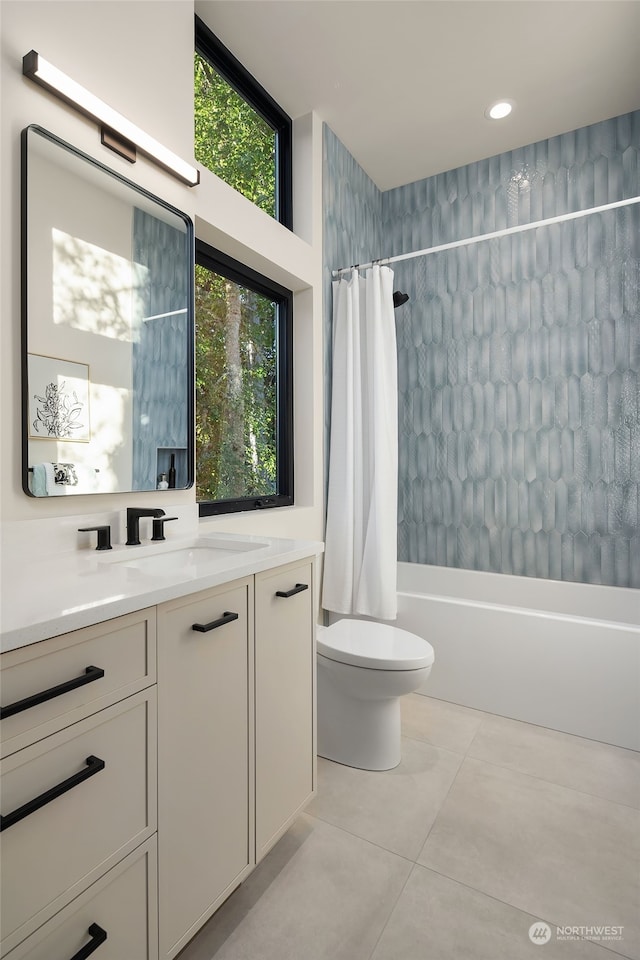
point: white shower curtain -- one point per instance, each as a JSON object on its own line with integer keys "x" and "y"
{"x": 361, "y": 537}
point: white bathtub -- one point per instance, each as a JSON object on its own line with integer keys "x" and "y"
{"x": 562, "y": 655}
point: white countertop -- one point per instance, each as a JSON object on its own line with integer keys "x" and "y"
{"x": 50, "y": 596}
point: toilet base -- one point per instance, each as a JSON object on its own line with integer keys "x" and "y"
{"x": 358, "y": 733}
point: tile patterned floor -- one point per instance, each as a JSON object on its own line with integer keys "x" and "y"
{"x": 487, "y": 827}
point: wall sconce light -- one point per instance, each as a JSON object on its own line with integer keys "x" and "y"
{"x": 117, "y": 132}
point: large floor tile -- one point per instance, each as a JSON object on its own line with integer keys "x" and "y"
{"x": 320, "y": 894}
{"x": 395, "y": 808}
{"x": 439, "y": 723}
{"x": 444, "y": 920}
{"x": 586, "y": 765}
{"x": 555, "y": 853}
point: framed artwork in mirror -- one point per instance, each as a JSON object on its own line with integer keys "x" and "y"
{"x": 59, "y": 406}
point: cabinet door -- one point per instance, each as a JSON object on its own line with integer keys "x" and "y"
{"x": 117, "y": 915}
{"x": 204, "y": 727}
{"x": 285, "y": 663}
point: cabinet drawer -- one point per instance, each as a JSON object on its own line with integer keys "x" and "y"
{"x": 51, "y": 854}
{"x": 122, "y": 904}
{"x": 123, "y": 648}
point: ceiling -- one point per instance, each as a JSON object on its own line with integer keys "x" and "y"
{"x": 405, "y": 83}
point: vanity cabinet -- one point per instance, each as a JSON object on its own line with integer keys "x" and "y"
{"x": 78, "y": 774}
{"x": 236, "y": 734}
{"x": 285, "y": 674}
{"x": 148, "y": 763}
{"x": 205, "y": 672}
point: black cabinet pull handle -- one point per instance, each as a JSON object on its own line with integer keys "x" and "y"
{"x": 299, "y": 587}
{"x": 94, "y": 765}
{"x": 205, "y": 627}
{"x": 89, "y": 675}
{"x": 98, "y": 936}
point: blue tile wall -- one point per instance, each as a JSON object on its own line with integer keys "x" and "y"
{"x": 519, "y": 362}
{"x": 352, "y": 232}
{"x": 584, "y": 168}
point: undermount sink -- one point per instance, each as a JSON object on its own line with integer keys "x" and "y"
{"x": 187, "y": 558}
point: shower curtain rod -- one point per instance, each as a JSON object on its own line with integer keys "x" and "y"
{"x": 487, "y": 236}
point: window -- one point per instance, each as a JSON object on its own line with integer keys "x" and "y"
{"x": 241, "y": 134}
{"x": 244, "y": 381}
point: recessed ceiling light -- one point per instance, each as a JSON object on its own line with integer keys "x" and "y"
{"x": 499, "y": 110}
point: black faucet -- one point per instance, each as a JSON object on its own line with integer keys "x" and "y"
{"x": 133, "y": 522}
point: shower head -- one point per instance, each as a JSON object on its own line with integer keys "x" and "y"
{"x": 399, "y": 298}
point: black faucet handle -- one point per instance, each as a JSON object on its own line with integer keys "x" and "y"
{"x": 158, "y": 527}
{"x": 104, "y": 536}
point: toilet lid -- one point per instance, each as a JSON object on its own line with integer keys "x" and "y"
{"x": 378, "y": 646}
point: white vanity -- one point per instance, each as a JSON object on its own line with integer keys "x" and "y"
{"x": 174, "y": 746}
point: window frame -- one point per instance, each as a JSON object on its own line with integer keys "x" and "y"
{"x": 247, "y": 87}
{"x": 224, "y": 265}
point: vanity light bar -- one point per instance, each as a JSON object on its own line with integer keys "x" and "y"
{"x": 48, "y": 76}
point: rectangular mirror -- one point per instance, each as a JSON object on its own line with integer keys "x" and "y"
{"x": 107, "y": 328}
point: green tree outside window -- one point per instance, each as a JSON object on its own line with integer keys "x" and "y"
{"x": 236, "y": 390}
{"x": 232, "y": 140}
{"x": 236, "y": 327}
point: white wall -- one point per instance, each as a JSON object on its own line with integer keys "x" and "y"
{"x": 138, "y": 57}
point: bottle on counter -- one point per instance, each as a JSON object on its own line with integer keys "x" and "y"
{"x": 172, "y": 472}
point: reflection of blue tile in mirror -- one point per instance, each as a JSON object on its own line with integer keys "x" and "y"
{"x": 160, "y": 362}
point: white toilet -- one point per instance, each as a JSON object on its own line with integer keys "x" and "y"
{"x": 364, "y": 668}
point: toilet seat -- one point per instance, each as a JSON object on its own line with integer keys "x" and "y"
{"x": 377, "y": 646}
